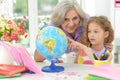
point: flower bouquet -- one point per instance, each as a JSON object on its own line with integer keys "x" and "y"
{"x": 10, "y": 30}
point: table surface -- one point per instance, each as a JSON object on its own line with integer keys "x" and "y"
{"x": 71, "y": 72}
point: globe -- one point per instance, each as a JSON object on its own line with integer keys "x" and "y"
{"x": 51, "y": 43}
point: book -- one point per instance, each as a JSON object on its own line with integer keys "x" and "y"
{"x": 25, "y": 59}
{"x": 92, "y": 77}
{"x": 13, "y": 76}
{"x": 111, "y": 72}
{"x": 9, "y": 70}
{"x": 22, "y": 57}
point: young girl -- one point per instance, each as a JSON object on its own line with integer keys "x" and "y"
{"x": 98, "y": 32}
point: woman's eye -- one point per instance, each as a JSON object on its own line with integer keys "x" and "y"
{"x": 75, "y": 18}
{"x": 66, "y": 19}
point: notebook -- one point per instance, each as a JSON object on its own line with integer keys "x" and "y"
{"x": 92, "y": 77}
{"x": 15, "y": 75}
{"x": 111, "y": 72}
{"x": 9, "y": 70}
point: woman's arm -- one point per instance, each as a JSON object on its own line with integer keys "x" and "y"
{"x": 38, "y": 57}
{"x": 110, "y": 46}
{"x": 110, "y": 56}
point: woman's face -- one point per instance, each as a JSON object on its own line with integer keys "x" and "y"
{"x": 71, "y": 21}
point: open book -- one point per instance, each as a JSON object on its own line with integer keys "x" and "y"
{"x": 9, "y": 70}
{"x": 21, "y": 57}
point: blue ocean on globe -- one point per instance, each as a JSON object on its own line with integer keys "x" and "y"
{"x": 51, "y": 42}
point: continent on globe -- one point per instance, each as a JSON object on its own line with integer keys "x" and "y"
{"x": 49, "y": 43}
{"x": 60, "y": 32}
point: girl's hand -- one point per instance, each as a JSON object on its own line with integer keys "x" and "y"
{"x": 73, "y": 45}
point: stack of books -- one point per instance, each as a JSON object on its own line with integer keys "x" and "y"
{"x": 8, "y": 71}
{"x": 104, "y": 72}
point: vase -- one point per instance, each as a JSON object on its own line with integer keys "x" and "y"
{"x": 5, "y": 56}
{"x": 13, "y": 42}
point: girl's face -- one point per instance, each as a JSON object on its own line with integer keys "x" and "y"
{"x": 96, "y": 34}
{"x": 71, "y": 21}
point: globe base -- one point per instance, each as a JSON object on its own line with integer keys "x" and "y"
{"x": 52, "y": 68}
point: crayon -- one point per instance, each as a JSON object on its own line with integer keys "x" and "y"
{"x": 95, "y": 56}
{"x": 105, "y": 56}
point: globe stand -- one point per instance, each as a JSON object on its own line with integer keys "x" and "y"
{"x": 52, "y": 68}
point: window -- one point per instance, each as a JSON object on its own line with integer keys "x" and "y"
{"x": 18, "y": 11}
{"x": 45, "y": 8}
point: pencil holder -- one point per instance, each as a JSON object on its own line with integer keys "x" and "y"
{"x": 101, "y": 62}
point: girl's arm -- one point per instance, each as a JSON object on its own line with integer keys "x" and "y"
{"x": 74, "y": 45}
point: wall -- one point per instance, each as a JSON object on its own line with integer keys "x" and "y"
{"x": 97, "y": 7}
{"x": 102, "y": 7}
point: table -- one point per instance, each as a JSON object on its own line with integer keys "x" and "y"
{"x": 71, "y": 72}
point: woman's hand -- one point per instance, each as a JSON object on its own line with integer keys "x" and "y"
{"x": 110, "y": 46}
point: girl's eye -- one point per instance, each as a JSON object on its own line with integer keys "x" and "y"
{"x": 89, "y": 31}
{"x": 96, "y": 31}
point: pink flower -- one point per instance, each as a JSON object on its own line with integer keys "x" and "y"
{"x": 9, "y": 22}
{"x": 22, "y": 30}
{"x": 24, "y": 17}
{"x": 9, "y": 30}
